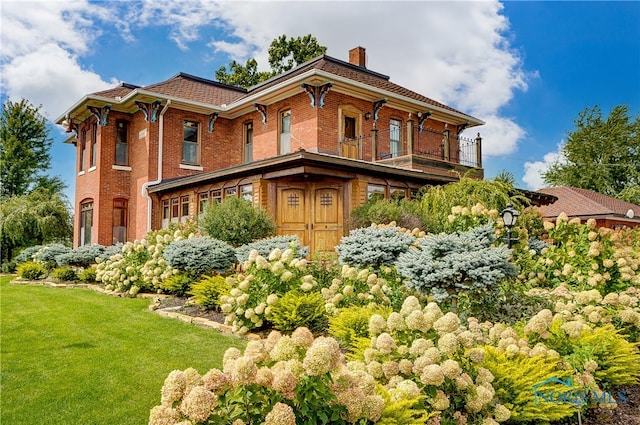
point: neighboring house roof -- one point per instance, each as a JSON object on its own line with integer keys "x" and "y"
{"x": 576, "y": 202}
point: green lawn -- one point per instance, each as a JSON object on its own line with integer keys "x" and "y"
{"x": 73, "y": 356}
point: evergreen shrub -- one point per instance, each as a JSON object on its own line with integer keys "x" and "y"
{"x": 48, "y": 253}
{"x": 298, "y": 309}
{"x": 208, "y": 290}
{"x": 266, "y": 245}
{"x": 88, "y": 275}
{"x": 353, "y": 323}
{"x": 66, "y": 274}
{"x": 177, "y": 284}
{"x": 83, "y": 256}
{"x": 32, "y": 271}
{"x": 374, "y": 246}
{"x": 27, "y": 254}
{"x": 200, "y": 255}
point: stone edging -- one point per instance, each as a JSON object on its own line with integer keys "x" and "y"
{"x": 154, "y": 306}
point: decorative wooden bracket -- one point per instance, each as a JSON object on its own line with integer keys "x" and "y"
{"x": 150, "y": 110}
{"x": 460, "y": 128}
{"x": 71, "y": 126}
{"x": 101, "y": 114}
{"x": 263, "y": 111}
{"x": 212, "y": 120}
{"x": 316, "y": 93}
{"x": 377, "y": 105}
{"x": 422, "y": 117}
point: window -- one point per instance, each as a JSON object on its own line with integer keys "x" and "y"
{"x": 86, "y": 223}
{"x": 394, "y": 138}
{"x": 246, "y": 192}
{"x": 231, "y": 192}
{"x": 190, "y": 142}
{"x": 165, "y": 213}
{"x": 248, "y": 142}
{"x": 83, "y": 149}
{"x": 184, "y": 208}
{"x": 375, "y": 191}
{"x": 203, "y": 201}
{"x": 216, "y": 196}
{"x": 93, "y": 154}
{"x": 398, "y": 193}
{"x": 349, "y": 128}
{"x": 119, "y": 221}
{"x": 122, "y": 146}
{"x": 285, "y": 133}
{"x": 175, "y": 210}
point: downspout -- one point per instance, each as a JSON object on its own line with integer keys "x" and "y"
{"x": 145, "y": 186}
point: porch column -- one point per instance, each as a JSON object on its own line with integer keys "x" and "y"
{"x": 445, "y": 143}
{"x": 374, "y": 144}
{"x": 479, "y": 151}
{"x": 410, "y": 135}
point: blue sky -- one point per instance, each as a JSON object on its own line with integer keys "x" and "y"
{"x": 526, "y": 68}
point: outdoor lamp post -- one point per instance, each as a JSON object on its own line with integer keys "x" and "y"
{"x": 509, "y": 217}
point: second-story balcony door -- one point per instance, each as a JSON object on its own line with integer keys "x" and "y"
{"x": 350, "y": 144}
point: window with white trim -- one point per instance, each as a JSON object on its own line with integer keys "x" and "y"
{"x": 190, "y": 143}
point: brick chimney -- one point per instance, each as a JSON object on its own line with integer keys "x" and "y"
{"x": 358, "y": 56}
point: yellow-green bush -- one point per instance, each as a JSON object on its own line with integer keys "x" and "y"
{"x": 514, "y": 380}
{"x": 207, "y": 292}
{"x": 64, "y": 273}
{"x": 32, "y": 270}
{"x": 353, "y": 323}
{"x": 298, "y": 309}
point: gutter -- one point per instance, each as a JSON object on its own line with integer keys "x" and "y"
{"x": 145, "y": 186}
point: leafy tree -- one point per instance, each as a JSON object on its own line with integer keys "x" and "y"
{"x": 601, "y": 154}
{"x": 236, "y": 222}
{"x": 284, "y": 54}
{"x": 38, "y": 218}
{"x": 24, "y": 149}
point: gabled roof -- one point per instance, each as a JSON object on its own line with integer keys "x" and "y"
{"x": 576, "y": 202}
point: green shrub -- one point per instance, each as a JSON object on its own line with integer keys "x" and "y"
{"x": 236, "y": 222}
{"x": 353, "y": 323}
{"x": 32, "y": 270}
{"x": 198, "y": 256}
{"x": 265, "y": 246}
{"x": 383, "y": 211}
{"x": 207, "y": 292}
{"x": 177, "y": 284}
{"x": 8, "y": 267}
{"x": 27, "y": 254}
{"x": 64, "y": 274}
{"x": 88, "y": 275}
{"x": 374, "y": 246}
{"x": 298, "y": 309}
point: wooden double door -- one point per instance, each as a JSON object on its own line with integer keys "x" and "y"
{"x": 314, "y": 212}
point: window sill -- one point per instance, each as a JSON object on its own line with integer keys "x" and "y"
{"x": 191, "y": 167}
{"x": 81, "y": 173}
{"x": 91, "y": 169}
{"x": 121, "y": 167}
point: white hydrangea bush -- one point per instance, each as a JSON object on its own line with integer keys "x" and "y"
{"x": 140, "y": 265}
{"x": 281, "y": 380}
{"x": 262, "y": 282}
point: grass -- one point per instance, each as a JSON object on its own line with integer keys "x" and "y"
{"x": 73, "y": 356}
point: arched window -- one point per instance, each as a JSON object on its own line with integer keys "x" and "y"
{"x": 86, "y": 222}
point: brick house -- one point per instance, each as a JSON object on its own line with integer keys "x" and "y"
{"x": 308, "y": 145}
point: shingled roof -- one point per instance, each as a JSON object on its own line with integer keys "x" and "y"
{"x": 576, "y": 202}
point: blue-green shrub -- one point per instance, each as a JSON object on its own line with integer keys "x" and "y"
{"x": 447, "y": 264}
{"x": 83, "y": 256}
{"x": 373, "y": 246}
{"x": 27, "y": 254}
{"x": 265, "y": 246}
{"x": 199, "y": 256}
{"x": 48, "y": 253}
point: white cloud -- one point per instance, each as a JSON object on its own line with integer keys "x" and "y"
{"x": 533, "y": 171}
{"x": 52, "y": 77}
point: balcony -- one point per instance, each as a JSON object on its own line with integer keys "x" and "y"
{"x": 432, "y": 151}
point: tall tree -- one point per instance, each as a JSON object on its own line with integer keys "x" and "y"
{"x": 284, "y": 54}
{"x": 601, "y": 154}
{"x": 37, "y": 218}
{"x": 24, "y": 148}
